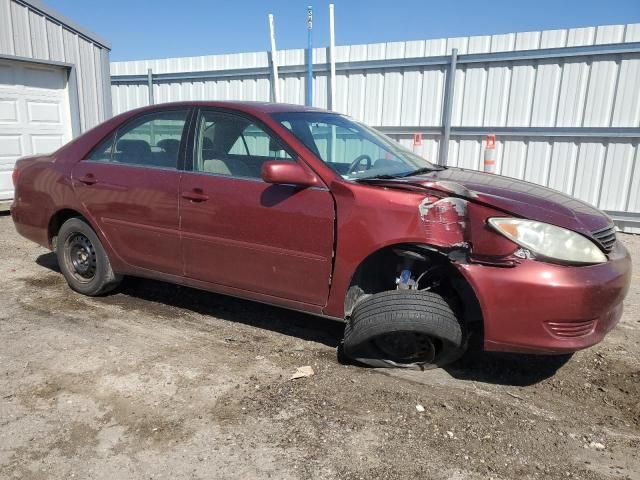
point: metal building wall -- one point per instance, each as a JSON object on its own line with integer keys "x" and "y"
{"x": 29, "y": 31}
{"x": 565, "y": 104}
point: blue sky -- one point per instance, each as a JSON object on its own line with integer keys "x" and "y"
{"x": 140, "y": 29}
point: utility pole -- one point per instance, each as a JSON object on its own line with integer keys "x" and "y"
{"x": 332, "y": 81}
{"x": 274, "y": 60}
{"x": 309, "y": 96}
{"x": 332, "y": 59}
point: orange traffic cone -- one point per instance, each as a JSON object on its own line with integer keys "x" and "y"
{"x": 490, "y": 154}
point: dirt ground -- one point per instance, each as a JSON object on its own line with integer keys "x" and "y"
{"x": 159, "y": 381}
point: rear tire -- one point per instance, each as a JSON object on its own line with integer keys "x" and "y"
{"x": 82, "y": 259}
{"x": 404, "y": 328}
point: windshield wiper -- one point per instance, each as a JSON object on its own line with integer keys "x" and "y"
{"x": 419, "y": 171}
{"x": 384, "y": 176}
{"x": 387, "y": 176}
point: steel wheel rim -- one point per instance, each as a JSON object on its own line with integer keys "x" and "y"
{"x": 81, "y": 256}
{"x": 407, "y": 347}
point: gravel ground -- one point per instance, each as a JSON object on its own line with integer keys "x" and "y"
{"x": 159, "y": 381}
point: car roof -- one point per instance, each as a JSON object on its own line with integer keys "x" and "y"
{"x": 246, "y": 106}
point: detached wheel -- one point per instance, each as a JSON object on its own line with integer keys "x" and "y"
{"x": 82, "y": 259}
{"x": 404, "y": 328}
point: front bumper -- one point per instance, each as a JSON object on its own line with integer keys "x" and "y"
{"x": 538, "y": 307}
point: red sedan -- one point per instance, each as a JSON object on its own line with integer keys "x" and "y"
{"x": 310, "y": 210}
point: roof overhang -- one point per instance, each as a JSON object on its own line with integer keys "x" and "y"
{"x": 40, "y": 7}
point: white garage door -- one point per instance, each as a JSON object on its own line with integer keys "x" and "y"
{"x": 34, "y": 114}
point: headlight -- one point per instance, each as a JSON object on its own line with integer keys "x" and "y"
{"x": 548, "y": 240}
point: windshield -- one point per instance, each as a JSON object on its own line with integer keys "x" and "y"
{"x": 351, "y": 149}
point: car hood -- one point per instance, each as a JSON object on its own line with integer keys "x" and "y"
{"x": 517, "y": 197}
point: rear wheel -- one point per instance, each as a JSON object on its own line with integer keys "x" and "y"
{"x": 404, "y": 328}
{"x": 82, "y": 259}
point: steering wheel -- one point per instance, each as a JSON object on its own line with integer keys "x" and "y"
{"x": 358, "y": 160}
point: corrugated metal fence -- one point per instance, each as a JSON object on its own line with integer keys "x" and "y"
{"x": 564, "y": 104}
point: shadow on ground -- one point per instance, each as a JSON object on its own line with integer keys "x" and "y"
{"x": 168, "y": 296}
{"x": 48, "y": 260}
{"x": 479, "y": 366}
{"x": 506, "y": 368}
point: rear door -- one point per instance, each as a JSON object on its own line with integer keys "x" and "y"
{"x": 130, "y": 185}
{"x": 241, "y": 232}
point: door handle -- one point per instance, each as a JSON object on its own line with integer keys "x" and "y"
{"x": 88, "y": 179}
{"x": 195, "y": 195}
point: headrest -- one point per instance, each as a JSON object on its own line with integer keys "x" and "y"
{"x": 207, "y": 143}
{"x": 274, "y": 145}
{"x": 169, "y": 145}
{"x": 133, "y": 146}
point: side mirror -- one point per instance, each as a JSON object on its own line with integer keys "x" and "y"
{"x": 287, "y": 173}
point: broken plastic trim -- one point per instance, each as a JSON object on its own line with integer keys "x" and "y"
{"x": 445, "y": 221}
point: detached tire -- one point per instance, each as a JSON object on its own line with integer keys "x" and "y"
{"x": 82, "y": 259}
{"x": 404, "y": 328}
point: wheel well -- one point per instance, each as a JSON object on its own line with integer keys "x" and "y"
{"x": 433, "y": 269}
{"x": 57, "y": 220}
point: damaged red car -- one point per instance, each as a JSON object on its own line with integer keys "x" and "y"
{"x": 313, "y": 211}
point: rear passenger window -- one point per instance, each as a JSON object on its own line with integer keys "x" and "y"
{"x": 151, "y": 140}
{"x": 233, "y": 145}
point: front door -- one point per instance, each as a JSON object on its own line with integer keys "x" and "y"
{"x": 130, "y": 186}
{"x": 241, "y": 232}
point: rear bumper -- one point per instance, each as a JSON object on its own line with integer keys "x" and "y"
{"x": 31, "y": 223}
{"x": 538, "y": 307}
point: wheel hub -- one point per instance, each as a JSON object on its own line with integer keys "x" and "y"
{"x": 82, "y": 256}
